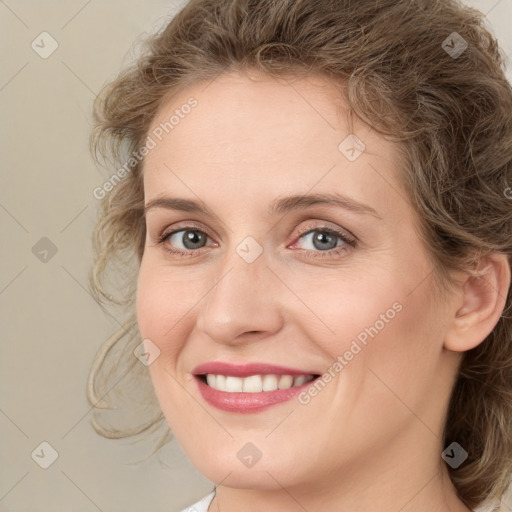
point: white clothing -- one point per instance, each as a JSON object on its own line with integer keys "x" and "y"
{"x": 202, "y": 505}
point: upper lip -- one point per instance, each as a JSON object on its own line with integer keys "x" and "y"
{"x": 246, "y": 370}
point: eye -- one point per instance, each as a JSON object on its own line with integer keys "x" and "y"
{"x": 189, "y": 239}
{"x": 323, "y": 239}
{"x": 186, "y": 241}
{"x": 315, "y": 241}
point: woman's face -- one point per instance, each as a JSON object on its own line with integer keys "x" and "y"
{"x": 291, "y": 253}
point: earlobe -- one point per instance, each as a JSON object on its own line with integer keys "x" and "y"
{"x": 483, "y": 297}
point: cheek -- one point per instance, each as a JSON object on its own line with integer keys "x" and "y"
{"x": 158, "y": 317}
{"x": 382, "y": 321}
{"x": 164, "y": 298}
{"x": 150, "y": 304}
{"x": 344, "y": 308}
{"x": 397, "y": 353}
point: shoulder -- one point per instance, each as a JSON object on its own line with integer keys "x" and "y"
{"x": 202, "y": 505}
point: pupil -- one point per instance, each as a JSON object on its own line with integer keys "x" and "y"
{"x": 324, "y": 238}
{"x": 192, "y": 239}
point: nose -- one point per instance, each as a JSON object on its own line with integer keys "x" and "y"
{"x": 244, "y": 303}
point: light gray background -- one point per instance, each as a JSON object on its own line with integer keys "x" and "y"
{"x": 50, "y": 326}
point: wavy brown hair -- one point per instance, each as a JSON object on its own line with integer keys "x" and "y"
{"x": 450, "y": 115}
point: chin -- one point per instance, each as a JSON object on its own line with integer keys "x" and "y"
{"x": 244, "y": 478}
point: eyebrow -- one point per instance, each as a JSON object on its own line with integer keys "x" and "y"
{"x": 278, "y": 206}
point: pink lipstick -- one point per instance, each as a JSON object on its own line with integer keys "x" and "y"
{"x": 249, "y": 388}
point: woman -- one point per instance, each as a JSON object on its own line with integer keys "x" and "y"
{"x": 315, "y": 195}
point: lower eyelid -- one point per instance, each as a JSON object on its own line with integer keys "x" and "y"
{"x": 331, "y": 253}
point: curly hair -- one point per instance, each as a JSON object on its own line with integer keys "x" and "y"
{"x": 426, "y": 74}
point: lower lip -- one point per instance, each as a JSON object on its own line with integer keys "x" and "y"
{"x": 246, "y": 403}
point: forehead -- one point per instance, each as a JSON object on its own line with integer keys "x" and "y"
{"x": 265, "y": 136}
{"x": 240, "y": 112}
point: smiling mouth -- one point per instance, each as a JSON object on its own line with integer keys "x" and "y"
{"x": 254, "y": 383}
{"x": 250, "y": 387}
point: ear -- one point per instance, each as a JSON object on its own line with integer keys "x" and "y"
{"x": 480, "y": 303}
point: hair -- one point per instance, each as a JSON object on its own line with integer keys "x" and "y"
{"x": 450, "y": 116}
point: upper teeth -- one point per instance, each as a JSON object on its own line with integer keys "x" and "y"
{"x": 255, "y": 383}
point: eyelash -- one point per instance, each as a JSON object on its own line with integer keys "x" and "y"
{"x": 348, "y": 240}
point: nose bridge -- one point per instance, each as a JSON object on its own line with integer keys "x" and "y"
{"x": 243, "y": 298}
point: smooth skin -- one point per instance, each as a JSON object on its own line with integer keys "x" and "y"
{"x": 371, "y": 439}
